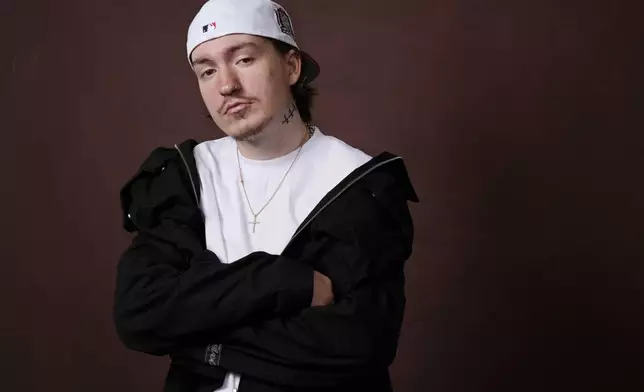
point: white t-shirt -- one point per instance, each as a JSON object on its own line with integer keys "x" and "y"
{"x": 323, "y": 163}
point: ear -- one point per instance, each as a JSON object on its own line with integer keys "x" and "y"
{"x": 294, "y": 66}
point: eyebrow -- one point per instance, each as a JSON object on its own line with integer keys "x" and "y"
{"x": 227, "y": 53}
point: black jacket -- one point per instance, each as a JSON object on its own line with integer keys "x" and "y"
{"x": 174, "y": 297}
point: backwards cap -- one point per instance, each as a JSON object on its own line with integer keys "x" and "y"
{"x": 263, "y": 18}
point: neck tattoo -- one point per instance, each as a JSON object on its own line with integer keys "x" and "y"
{"x": 291, "y": 112}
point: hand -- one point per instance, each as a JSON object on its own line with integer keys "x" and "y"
{"x": 322, "y": 290}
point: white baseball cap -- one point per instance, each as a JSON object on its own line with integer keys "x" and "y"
{"x": 263, "y": 18}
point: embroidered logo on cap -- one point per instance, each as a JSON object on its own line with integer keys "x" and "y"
{"x": 206, "y": 27}
{"x": 284, "y": 21}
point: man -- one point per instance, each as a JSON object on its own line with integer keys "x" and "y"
{"x": 271, "y": 259}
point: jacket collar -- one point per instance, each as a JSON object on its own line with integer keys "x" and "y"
{"x": 393, "y": 165}
{"x": 385, "y": 162}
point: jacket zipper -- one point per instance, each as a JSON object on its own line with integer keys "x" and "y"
{"x": 308, "y": 221}
{"x": 192, "y": 181}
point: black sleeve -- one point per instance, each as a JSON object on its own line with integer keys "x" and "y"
{"x": 364, "y": 256}
{"x": 326, "y": 346}
{"x": 164, "y": 301}
{"x": 170, "y": 290}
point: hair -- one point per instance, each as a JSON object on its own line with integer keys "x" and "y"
{"x": 303, "y": 93}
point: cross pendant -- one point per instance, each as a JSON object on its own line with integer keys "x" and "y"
{"x": 254, "y": 223}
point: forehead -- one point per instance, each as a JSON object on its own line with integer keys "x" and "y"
{"x": 222, "y": 45}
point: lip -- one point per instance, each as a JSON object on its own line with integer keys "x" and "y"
{"x": 236, "y": 107}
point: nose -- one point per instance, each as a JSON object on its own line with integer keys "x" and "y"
{"x": 229, "y": 82}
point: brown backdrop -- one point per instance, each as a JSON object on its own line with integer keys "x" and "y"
{"x": 520, "y": 123}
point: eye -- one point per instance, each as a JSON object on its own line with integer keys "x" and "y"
{"x": 208, "y": 72}
{"x": 245, "y": 60}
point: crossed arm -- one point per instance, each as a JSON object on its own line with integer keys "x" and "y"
{"x": 164, "y": 301}
{"x": 259, "y": 309}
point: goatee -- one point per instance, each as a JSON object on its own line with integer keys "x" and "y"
{"x": 249, "y": 135}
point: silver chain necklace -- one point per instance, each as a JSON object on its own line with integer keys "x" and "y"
{"x": 310, "y": 131}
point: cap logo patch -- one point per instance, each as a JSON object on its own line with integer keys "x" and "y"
{"x": 284, "y": 21}
{"x": 207, "y": 27}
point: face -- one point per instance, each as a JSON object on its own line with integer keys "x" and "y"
{"x": 245, "y": 82}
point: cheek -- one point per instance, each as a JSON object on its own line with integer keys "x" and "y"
{"x": 267, "y": 85}
{"x": 254, "y": 82}
{"x": 210, "y": 96}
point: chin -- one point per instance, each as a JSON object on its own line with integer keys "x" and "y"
{"x": 245, "y": 129}
{"x": 246, "y": 135}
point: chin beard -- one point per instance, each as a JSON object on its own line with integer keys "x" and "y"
{"x": 249, "y": 136}
{"x": 251, "y": 132}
